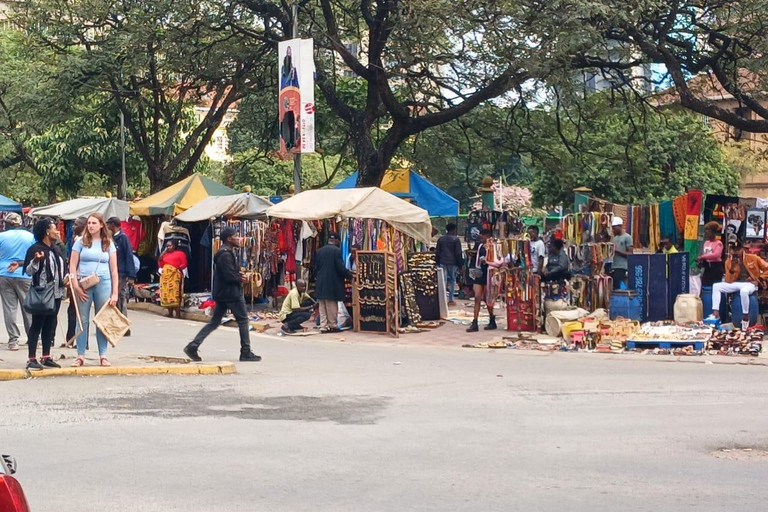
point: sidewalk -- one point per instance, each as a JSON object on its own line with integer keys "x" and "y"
{"x": 12, "y": 365}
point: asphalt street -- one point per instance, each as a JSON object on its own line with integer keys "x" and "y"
{"x": 324, "y": 425}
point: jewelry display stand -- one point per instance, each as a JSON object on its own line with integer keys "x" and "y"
{"x": 423, "y": 269}
{"x": 374, "y": 293}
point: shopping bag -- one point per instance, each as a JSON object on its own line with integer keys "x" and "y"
{"x": 112, "y": 324}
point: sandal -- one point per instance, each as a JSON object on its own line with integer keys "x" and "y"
{"x": 105, "y": 362}
{"x": 80, "y": 361}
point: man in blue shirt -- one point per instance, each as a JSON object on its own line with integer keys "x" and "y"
{"x": 14, "y": 284}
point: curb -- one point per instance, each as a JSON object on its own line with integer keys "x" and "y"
{"x": 192, "y": 369}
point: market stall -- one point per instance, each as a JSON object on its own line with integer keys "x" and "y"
{"x": 410, "y": 186}
{"x": 9, "y": 205}
{"x": 367, "y": 219}
{"x": 82, "y": 207}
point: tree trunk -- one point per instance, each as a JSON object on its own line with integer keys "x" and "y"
{"x": 372, "y": 162}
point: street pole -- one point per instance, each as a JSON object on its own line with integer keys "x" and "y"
{"x": 123, "y": 181}
{"x": 296, "y": 156}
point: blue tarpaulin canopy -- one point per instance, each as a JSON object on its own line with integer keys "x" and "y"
{"x": 9, "y": 205}
{"x": 408, "y": 185}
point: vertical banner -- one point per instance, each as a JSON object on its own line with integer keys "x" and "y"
{"x": 296, "y": 98}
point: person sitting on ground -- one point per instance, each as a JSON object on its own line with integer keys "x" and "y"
{"x": 743, "y": 273}
{"x": 297, "y": 308}
{"x": 558, "y": 265}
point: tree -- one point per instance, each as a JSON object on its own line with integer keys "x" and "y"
{"x": 724, "y": 41}
{"x": 155, "y": 60}
{"x": 423, "y": 64}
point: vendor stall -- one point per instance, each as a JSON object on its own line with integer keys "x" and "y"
{"x": 9, "y": 205}
{"x": 180, "y": 196}
{"x": 367, "y": 219}
{"x": 82, "y": 207}
{"x": 237, "y": 206}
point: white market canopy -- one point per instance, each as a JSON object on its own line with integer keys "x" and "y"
{"x": 357, "y": 203}
{"x": 84, "y": 206}
{"x": 240, "y": 206}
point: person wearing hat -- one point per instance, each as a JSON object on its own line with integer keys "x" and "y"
{"x": 622, "y": 244}
{"x": 743, "y": 273}
{"x": 14, "y": 283}
{"x": 228, "y": 294}
{"x": 330, "y": 273}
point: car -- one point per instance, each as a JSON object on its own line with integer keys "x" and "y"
{"x": 12, "y": 497}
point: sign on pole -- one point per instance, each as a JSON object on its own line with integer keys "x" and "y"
{"x": 296, "y": 97}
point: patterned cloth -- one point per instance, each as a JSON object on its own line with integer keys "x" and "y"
{"x": 171, "y": 287}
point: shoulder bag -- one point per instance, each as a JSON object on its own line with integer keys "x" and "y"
{"x": 88, "y": 282}
{"x": 40, "y": 299}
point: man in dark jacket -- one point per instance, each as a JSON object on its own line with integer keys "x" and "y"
{"x": 126, "y": 270}
{"x": 558, "y": 265}
{"x": 228, "y": 294}
{"x": 450, "y": 258}
{"x": 329, "y": 288}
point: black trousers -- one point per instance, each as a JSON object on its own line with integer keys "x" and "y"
{"x": 619, "y": 276}
{"x": 45, "y": 325}
{"x": 241, "y": 315}
{"x": 294, "y": 320}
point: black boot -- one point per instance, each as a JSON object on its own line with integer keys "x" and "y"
{"x": 491, "y": 325}
{"x": 249, "y": 356}
{"x": 473, "y": 327}
{"x": 191, "y": 351}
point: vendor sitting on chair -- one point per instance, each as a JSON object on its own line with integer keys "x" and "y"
{"x": 297, "y": 308}
{"x": 743, "y": 274}
{"x": 558, "y": 266}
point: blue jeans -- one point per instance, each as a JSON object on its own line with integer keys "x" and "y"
{"x": 97, "y": 296}
{"x": 450, "y": 279}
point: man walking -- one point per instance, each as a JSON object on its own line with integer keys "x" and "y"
{"x": 14, "y": 284}
{"x": 449, "y": 257}
{"x": 622, "y": 243}
{"x": 126, "y": 270}
{"x": 330, "y": 272}
{"x": 297, "y": 308}
{"x": 228, "y": 294}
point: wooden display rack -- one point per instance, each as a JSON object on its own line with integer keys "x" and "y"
{"x": 386, "y": 278}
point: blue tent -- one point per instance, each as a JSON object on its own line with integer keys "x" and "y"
{"x": 415, "y": 189}
{"x": 9, "y": 205}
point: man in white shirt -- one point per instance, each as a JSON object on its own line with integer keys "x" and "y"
{"x": 538, "y": 250}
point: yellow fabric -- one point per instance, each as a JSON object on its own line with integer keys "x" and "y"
{"x": 179, "y": 197}
{"x": 171, "y": 287}
{"x": 292, "y": 302}
{"x": 692, "y": 227}
{"x": 397, "y": 181}
{"x": 195, "y": 193}
{"x": 672, "y": 250}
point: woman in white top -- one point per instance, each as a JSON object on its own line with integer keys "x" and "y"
{"x": 94, "y": 253}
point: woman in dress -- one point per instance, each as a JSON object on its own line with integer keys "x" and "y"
{"x": 45, "y": 264}
{"x": 94, "y": 253}
{"x": 172, "y": 263}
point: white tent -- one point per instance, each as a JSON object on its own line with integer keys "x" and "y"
{"x": 84, "y": 206}
{"x": 358, "y": 203}
{"x": 240, "y": 206}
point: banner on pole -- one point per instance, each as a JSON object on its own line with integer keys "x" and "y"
{"x": 296, "y": 97}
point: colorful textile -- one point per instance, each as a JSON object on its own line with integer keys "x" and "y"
{"x": 695, "y": 199}
{"x": 171, "y": 287}
{"x": 692, "y": 227}
{"x": 679, "y": 208}
{"x": 667, "y": 225}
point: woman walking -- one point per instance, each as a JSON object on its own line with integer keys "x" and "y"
{"x": 45, "y": 264}
{"x": 172, "y": 263}
{"x": 94, "y": 262}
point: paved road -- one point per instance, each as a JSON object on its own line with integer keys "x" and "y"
{"x": 329, "y": 426}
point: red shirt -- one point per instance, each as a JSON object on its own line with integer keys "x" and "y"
{"x": 176, "y": 259}
{"x": 134, "y": 230}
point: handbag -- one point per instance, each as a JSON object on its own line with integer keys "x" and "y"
{"x": 88, "y": 282}
{"x": 40, "y": 299}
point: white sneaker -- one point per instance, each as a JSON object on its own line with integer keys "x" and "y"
{"x": 744, "y": 325}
